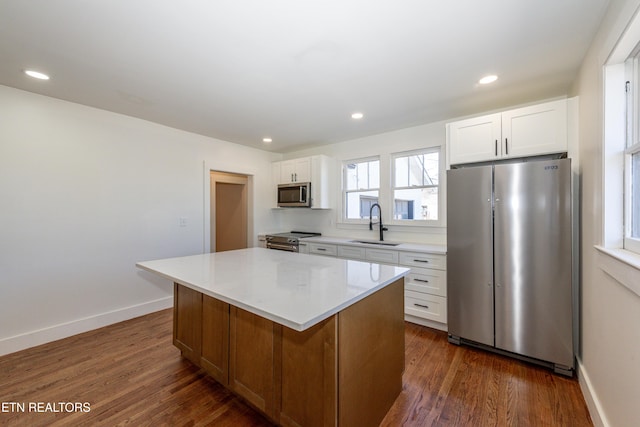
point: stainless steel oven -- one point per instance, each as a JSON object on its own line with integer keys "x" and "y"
{"x": 289, "y": 242}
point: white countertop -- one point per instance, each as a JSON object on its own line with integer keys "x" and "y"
{"x": 407, "y": 247}
{"x": 294, "y": 290}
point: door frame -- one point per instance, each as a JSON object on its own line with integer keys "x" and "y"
{"x": 238, "y": 181}
{"x": 206, "y": 205}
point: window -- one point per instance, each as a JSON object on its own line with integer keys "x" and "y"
{"x": 361, "y": 187}
{"x": 415, "y": 185}
{"x": 632, "y": 155}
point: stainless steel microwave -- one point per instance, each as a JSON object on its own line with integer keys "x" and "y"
{"x": 297, "y": 194}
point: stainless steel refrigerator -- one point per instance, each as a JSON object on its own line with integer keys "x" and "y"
{"x": 509, "y": 259}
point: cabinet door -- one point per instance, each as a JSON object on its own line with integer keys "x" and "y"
{"x": 309, "y": 371}
{"x": 302, "y": 170}
{"x": 535, "y": 130}
{"x": 427, "y": 280}
{"x": 323, "y": 249}
{"x": 426, "y": 306}
{"x": 475, "y": 140}
{"x": 287, "y": 171}
{"x": 296, "y": 170}
{"x": 382, "y": 255}
{"x": 187, "y": 322}
{"x": 351, "y": 252}
{"x": 252, "y": 358}
{"x": 422, "y": 260}
{"x": 215, "y": 339}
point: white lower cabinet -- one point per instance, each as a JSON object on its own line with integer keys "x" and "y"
{"x": 323, "y": 249}
{"x": 427, "y": 281}
{"x": 384, "y": 256}
{"x": 422, "y": 260}
{"x": 352, "y": 252}
{"x": 425, "y": 285}
{"x": 426, "y": 306}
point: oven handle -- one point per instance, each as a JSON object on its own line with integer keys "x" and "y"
{"x": 282, "y": 247}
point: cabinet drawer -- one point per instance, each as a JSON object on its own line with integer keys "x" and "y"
{"x": 351, "y": 252}
{"x": 426, "y": 306}
{"x": 322, "y": 249}
{"x": 383, "y": 256}
{"x": 426, "y": 280}
{"x": 417, "y": 259}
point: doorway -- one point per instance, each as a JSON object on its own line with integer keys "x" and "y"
{"x": 228, "y": 211}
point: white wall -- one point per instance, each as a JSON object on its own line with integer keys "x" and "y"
{"x": 85, "y": 194}
{"x": 327, "y": 221}
{"x": 609, "y": 356}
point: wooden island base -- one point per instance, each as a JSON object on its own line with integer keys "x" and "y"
{"x": 344, "y": 371}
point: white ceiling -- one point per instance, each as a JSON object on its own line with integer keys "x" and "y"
{"x": 295, "y": 70}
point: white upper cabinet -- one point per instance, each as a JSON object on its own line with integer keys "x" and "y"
{"x": 296, "y": 170}
{"x": 539, "y": 129}
{"x": 528, "y": 131}
{"x": 318, "y": 170}
{"x": 475, "y": 140}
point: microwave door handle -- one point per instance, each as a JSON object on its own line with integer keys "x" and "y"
{"x": 301, "y": 195}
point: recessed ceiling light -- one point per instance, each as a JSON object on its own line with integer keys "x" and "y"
{"x": 267, "y": 140}
{"x": 36, "y": 75}
{"x": 488, "y": 79}
{"x": 357, "y": 116}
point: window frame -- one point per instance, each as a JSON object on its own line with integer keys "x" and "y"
{"x": 631, "y": 146}
{"x": 344, "y": 191}
{"x": 393, "y": 186}
{"x": 385, "y": 191}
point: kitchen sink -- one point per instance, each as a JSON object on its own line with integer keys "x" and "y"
{"x": 374, "y": 242}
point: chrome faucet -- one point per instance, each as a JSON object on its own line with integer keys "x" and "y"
{"x": 382, "y": 228}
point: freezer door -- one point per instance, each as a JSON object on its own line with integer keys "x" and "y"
{"x": 533, "y": 259}
{"x": 470, "y": 254}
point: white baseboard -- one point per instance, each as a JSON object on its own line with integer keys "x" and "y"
{"x": 74, "y": 327}
{"x": 593, "y": 404}
{"x": 426, "y": 322}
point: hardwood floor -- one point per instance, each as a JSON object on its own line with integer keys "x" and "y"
{"x": 131, "y": 374}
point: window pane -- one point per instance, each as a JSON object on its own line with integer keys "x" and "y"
{"x": 416, "y": 170}
{"x": 358, "y": 204}
{"x": 419, "y": 203}
{"x": 362, "y": 175}
{"x": 635, "y": 195}
{"x": 402, "y": 172}
{"x": 431, "y": 168}
{"x": 374, "y": 174}
{"x": 351, "y": 176}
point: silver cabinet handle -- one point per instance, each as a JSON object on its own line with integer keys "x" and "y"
{"x": 421, "y": 280}
{"x": 506, "y": 146}
{"x": 421, "y": 260}
{"x": 321, "y": 249}
{"x": 496, "y": 147}
{"x": 420, "y": 305}
{"x": 292, "y": 178}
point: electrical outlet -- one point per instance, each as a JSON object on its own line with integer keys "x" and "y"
{"x": 183, "y": 221}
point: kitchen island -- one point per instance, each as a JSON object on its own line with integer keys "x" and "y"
{"x": 306, "y": 340}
